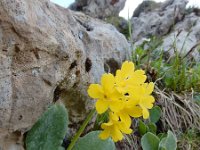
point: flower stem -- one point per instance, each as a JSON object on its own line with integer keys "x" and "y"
{"x": 81, "y": 129}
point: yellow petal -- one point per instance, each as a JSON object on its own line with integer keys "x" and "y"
{"x": 104, "y": 134}
{"x": 118, "y": 77}
{"x": 95, "y": 91}
{"x": 128, "y": 66}
{"x": 101, "y": 106}
{"x": 134, "y": 112}
{"x": 107, "y": 82}
{"x": 145, "y": 113}
{"x": 120, "y": 89}
{"x": 149, "y": 88}
{"x": 132, "y": 102}
{"x": 139, "y": 72}
{"x": 147, "y": 101}
{"x": 106, "y": 125}
{"x": 113, "y": 116}
{"x": 124, "y": 128}
{"x": 125, "y": 118}
{"x": 115, "y": 95}
{"x": 127, "y": 69}
{"x": 136, "y": 91}
{"x": 116, "y": 134}
{"x": 116, "y": 105}
{"x": 138, "y": 77}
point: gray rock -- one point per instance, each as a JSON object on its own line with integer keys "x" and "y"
{"x": 99, "y": 8}
{"x": 171, "y": 23}
{"x": 159, "y": 21}
{"x": 145, "y": 7}
{"x": 186, "y": 35}
{"x": 50, "y": 54}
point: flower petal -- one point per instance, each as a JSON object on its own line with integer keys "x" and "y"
{"x": 116, "y": 105}
{"x": 95, "y": 91}
{"x": 147, "y": 101}
{"x": 149, "y": 88}
{"x": 145, "y": 113}
{"x": 125, "y": 118}
{"x": 107, "y": 82}
{"x": 106, "y": 125}
{"x": 138, "y": 77}
{"x": 124, "y": 128}
{"x": 101, "y": 106}
{"x": 134, "y": 111}
{"x": 116, "y": 134}
{"x": 115, "y": 95}
{"x": 131, "y": 102}
{"x": 118, "y": 77}
{"x": 113, "y": 116}
{"x": 127, "y": 68}
{"x": 104, "y": 134}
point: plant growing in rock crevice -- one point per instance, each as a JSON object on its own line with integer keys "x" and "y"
{"x": 123, "y": 96}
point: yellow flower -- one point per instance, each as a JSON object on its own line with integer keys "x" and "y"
{"x": 124, "y": 96}
{"x": 114, "y": 129}
{"x": 106, "y": 94}
{"x": 141, "y": 96}
{"x": 130, "y": 109}
{"x": 127, "y": 77}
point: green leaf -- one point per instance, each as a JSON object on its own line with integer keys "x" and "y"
{"x": 152, "y": 128}
{"x": 101, "y": 118}
{"x": 162, "y": 135}
{"x": 49, "y": 131}
{"x": 197, "y": 98}
{"x": 155, "y": 114}
{"x": 142, "y": 128}
{"x": 139, "y": 51}
{"x": 91, "y": 141}
{"x": 150, "y": 141}
{"x": 169, "y": 142}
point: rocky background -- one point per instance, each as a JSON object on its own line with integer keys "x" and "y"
{"x": 170, "y": 21}
{"x": 99, "y": 8}
{"x": 50, "y": 54}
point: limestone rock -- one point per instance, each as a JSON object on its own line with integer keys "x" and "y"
{"x": 160, "y": 21}
{"x": 172, "y": 23}
{"x": 145, "y": 7}
{"x": 186, "y": 34}
{"x": 49, "y": 54}
{"x": 99, "y": 8}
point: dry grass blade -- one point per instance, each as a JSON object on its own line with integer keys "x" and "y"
{"x": 180, "y": 112}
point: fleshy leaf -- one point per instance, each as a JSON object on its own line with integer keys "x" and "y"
{"x": 91, "y": 141}
{"x": 169, "y": 142}
{"x": 150, "y": 141}
{"x": 49, "y": 131}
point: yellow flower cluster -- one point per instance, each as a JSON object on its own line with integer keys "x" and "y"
{"x": 125, "y": 95}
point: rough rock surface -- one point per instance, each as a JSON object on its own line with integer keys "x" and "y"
{"x": 186, "y": 34}
{"x": 145, "y": 7}
{"x": 171, "y": 23}
{"x": 159, "y": 21}
{"x": 48, "y": 53}
{"x": 99, "y": 8}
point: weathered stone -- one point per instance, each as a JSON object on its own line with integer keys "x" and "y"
{"x": 186, "y": 35}
{"x": 120, "y": 23}
{"x": 171, "y": 23}
{"x": 99, "y": 8}
{"x": 145, "y": 7}
{"x": 48, "y": 53}
{"x": 160, "y": 21}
